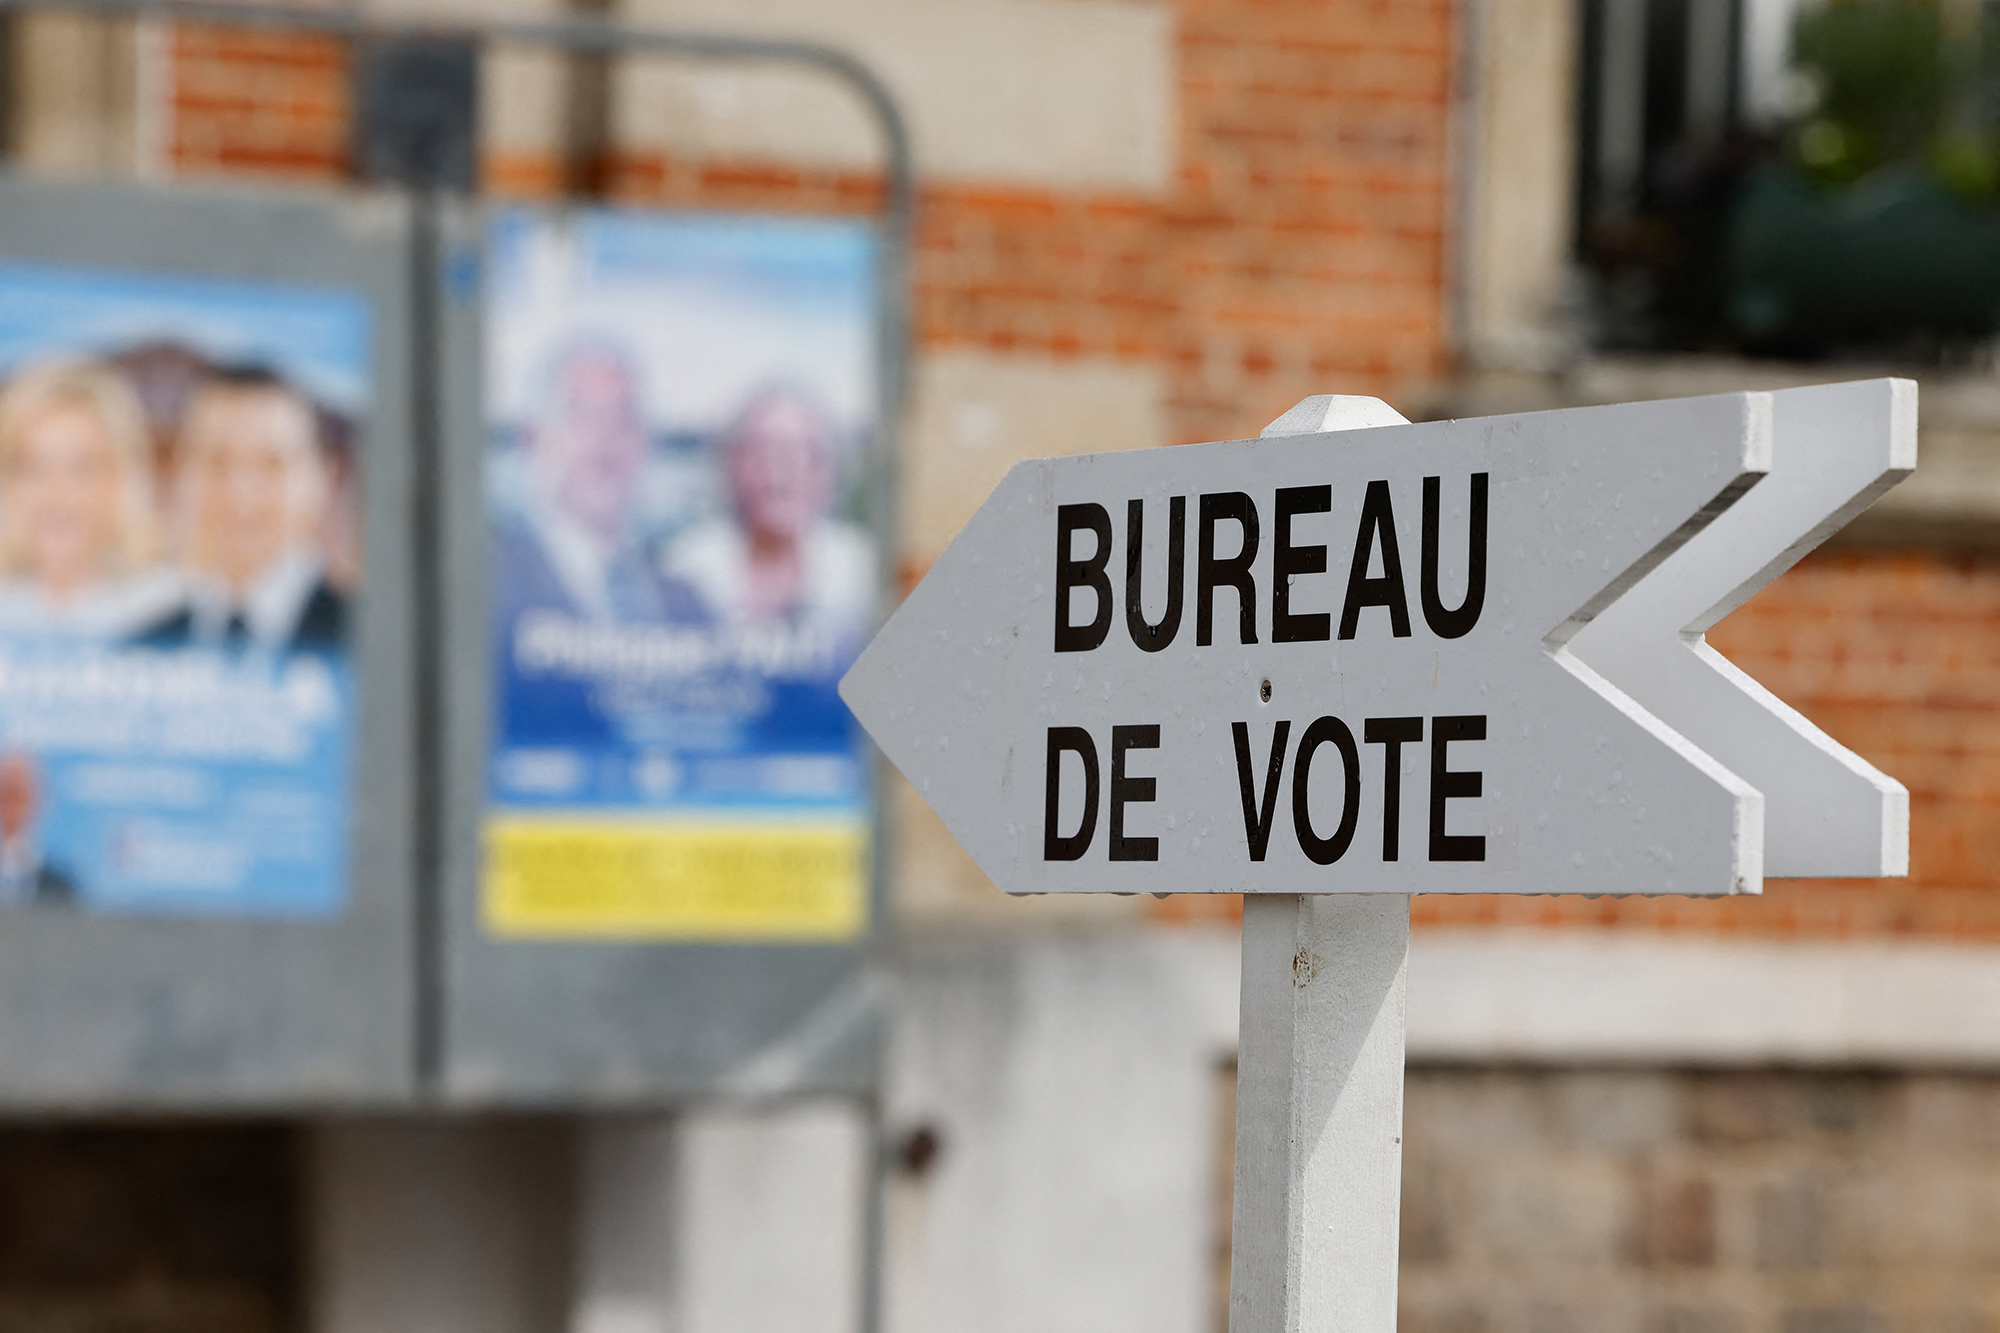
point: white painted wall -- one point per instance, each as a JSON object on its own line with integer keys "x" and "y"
{"x": 771, "y": 1236}
{"x": 78, "y": 84}
{"x": 1590, "y": 997}
{"x": 1519, "y": 174}
{"x": 975, "y": 414}
{"x": 1069, "y": 1079}
{"x": 626, "y": 1273}
{"x": 438, "y": 1225}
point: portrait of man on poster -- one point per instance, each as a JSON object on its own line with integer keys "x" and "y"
{"x": 575, "y": 548}
{"x": 251, "y": 490}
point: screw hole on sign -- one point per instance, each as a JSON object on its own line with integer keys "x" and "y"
{"x": 1264, "y": 691}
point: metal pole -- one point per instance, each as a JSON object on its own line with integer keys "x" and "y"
{"x": 427, "y": 513}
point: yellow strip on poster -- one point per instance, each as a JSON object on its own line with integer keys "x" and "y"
{"x": 567, "y": 876}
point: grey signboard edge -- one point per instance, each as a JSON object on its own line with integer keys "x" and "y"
{"x": 602, "y": 1024}
{"x": 125, "y": 1013}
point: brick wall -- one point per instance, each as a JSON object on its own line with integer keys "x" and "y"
{"x": 1300, "y": 245}
{"x": 1313, "y": 201}
{"x": 268, "y": 103}
{"x": 1892, "y": 654}
{"x": 1302, "y": 242}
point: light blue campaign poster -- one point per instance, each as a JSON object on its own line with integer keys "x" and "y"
{"x": 179, "y": 556}
{"x": 679, "y": 408}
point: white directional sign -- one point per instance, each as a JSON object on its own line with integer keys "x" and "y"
{"x": 1838, "y": 448}
{"x": 1360, "y": 655}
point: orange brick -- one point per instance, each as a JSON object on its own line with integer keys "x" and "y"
{"x": 1914, "y": 721}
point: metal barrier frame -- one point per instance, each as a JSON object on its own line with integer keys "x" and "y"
{"x": 437, "y": 217}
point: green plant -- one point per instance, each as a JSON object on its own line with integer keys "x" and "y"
{"x": 1899, "y": 82}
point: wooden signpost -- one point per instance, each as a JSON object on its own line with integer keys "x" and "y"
{"x": 1357, "y": 659}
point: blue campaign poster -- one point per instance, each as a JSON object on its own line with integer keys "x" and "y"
{"x": 678, "y": 409}
{"x": 178, "y": 557}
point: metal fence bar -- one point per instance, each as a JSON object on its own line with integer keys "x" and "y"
{"x": 604, "y": 36}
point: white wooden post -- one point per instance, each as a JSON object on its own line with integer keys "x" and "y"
{"x": 1319, "y": 1114}
{"x": 1319, "y": 1080}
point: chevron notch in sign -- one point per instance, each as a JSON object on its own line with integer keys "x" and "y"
{"x": 1361, "y": 655}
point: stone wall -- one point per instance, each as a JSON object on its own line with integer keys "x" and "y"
{"x": 1657, "y": 1201}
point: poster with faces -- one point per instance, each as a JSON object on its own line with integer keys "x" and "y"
{"x": 678, "y": 408}
{"x": 179, "y": 560}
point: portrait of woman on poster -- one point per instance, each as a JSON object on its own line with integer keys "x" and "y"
{"x": 77, "y": 534}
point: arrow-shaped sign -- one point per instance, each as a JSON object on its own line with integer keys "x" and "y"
{"x": 1343, "y": 661}
{"x": 1838, "y": 449}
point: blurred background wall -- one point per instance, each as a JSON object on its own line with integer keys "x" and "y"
{"x": 1146, "y": 222}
